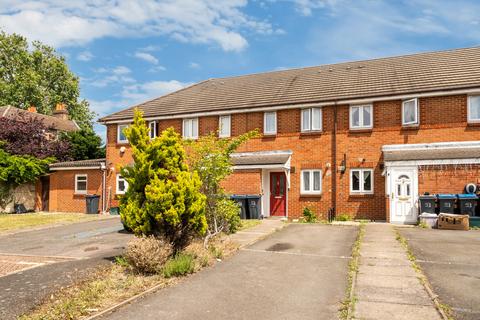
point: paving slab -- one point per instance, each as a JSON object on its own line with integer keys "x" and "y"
{"x": 451, "y": 262}
{"x": 387, "y": 286}
{"x": 299, "y": 272}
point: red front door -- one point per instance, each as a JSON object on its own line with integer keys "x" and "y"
{"x": 278, "y": 199}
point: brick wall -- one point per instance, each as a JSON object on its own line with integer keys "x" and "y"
{"x": 447, "y": 179}
{"x": 62, "y": 196}
{"x": 442, "y": 119}
{"x": 244, "y": 182}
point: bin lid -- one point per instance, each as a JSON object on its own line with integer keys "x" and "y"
{"x": 253, "y": 196}
{"x": 446, "y": 196}
{"x": 427, "y": 197}
{"x": 92, "y": 196}
{"x": 238, "y": 197}
{"x": 466, "y": 196}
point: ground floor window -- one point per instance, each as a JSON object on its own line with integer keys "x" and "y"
{"x": 361, "y": 180}
{"x": 122, "y": 184}
{"x": 311, "y": 182}
{"x": 81, "y": 183}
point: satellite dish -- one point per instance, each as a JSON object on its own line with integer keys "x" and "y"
{"x": 471, "y": 188}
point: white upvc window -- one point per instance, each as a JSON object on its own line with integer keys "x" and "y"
{"x": 410, "y": 112}
{"x": 121, "y": 138}
{"x": 121, "y": 185}
{"x": 224, "y": 124}
{"x": 152, "y": 126}
{"x": 311, "y": 181}
{"x": 473, "y": 110}
{"x": 311, "y": 119}
{"x": 190, "y": 128}
{"x": 361, "y": 117}
{"x": 361, "y": 181}
{"x": 270, "y": 123}
{"x": 81, "y": 184}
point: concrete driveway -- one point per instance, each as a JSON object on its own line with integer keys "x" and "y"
{"x": 52, "y": 258}
{"x": 451, "y": 262}
{"x": 299, "y": 272}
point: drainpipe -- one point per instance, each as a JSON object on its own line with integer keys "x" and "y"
{"x": 104, "y": 179}
{"x": 334, "y": 162}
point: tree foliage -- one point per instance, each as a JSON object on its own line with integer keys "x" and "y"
{"x": 17, "y": 170}
{"x": 30, "y": 136}
{"x": 210, "y": 157}
{"x": 163, "y": 197}
{"x": 84, "y": 145}
{"x": 37, "y": 75}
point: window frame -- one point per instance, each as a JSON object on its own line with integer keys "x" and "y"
{"x": 469, "y": 104}
{"x": 194, "y": 137}
{"x": 361, "y": 125}
{"x": 117, "y": 180}
{"x": 152, "y": 130}
{"x": 312, "y": 182}
{"x": 226, "y": 135}
{"x": 417, "y": 113}
{"x": 82, "y": 175}
{"x": 265, "y": 132}
{"x": 120, "y": 131}
{"x": 311, "y": 128}
{"x": 362, "y": 172}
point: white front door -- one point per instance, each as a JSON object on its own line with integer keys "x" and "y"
{"x": 403, "y": 189}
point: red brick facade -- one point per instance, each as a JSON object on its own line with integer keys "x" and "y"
{"x": 442, "y": 119}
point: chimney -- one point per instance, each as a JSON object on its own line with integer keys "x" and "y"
{"x": 60, "y": 111}
{"x": 32, "y": 108}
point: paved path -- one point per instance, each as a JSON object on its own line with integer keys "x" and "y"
{"x": 251, "y": 235}
{"x": 58, "y": 255}
{"x": 387, "y": 287}
{"x": 299, "y": 272}
{"x": 450, "y": 260}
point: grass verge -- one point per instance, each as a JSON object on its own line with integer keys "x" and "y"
{"x": 247, "y": 224}
{"x": 348, "y": 304}
{"x": 109, "y": 285}
{"x": 10, "y": 222}
{"x": 444, "y": 309}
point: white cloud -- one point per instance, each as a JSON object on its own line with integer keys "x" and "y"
{"x": 76, "y": 22}
{"x": 137, "y": 93}
{"x": 85, "y": 56}
{"x": 110, "y": 76}
{"x": 121, "y": 70}
{"x": 194, "y": 65}
{"x": 146, "y": 57}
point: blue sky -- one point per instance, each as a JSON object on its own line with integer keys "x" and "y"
{"x": 126, "y": 52}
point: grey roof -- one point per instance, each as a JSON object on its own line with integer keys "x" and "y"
{"x": 409, "y": 74}
{"x": 261, "y": 158}
{"x": 78, "y": 164}
{"x": 432, "y": 151}
{"x": 49, "y": 121}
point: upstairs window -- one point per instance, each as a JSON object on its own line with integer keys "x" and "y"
{"x": 410, "y": 112}
{"x": 224, "y": 123}
{"x": 270, "y": 123}
{"x": 122, "y": 185}
{"x": 190, "y": 128}
{"x": 311, "y": 182}
{"x": 80, "y": 183}
{"x": 152, "y": 125}
{"x": 474, "y": 109}
{"x": 361, "y": 117}
{"x": 121, "y": 138}
{"x": 311, "y": 119}
{"x": 361, "y": 181}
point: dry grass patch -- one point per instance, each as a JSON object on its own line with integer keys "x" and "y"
{"x": 247, "y": 224}
{"x": 110, "y": 285}
{"x": 9, "y": 222}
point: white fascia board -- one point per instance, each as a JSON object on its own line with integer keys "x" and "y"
{"x": 266, "y": 153}
{"x": 306, "y": 105}
{"x": 434, "y": 146}
{"x": 431, "y": 162}
{"x": 261, "y": 166}
{"x": 76, "y": 168}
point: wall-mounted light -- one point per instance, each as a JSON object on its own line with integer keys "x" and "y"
{"x": 122, "y": 149}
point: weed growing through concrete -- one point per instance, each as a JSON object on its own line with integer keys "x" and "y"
{"x": 348, "y": 304}
{"x": 444, "y": 309}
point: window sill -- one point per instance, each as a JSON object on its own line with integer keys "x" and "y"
{"x": 78, "y": 194}
{"x": 311, "y": 133}
{"x": 310, "y": 195}
{"x": 360, "y": 130}
{"x": 362, "y": 195}
{"x": 415, "y": 126}
{"x": 473, "y": 124}
{"x": 122, "y": 142}
{"x": 269, "y": 135}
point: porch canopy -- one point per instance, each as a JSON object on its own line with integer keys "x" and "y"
{"x": 273, "y": 159}
{"x": 464, "y": 152}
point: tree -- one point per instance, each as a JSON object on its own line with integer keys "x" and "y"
{"x": 30, "y": 136}
{"x": 84, "y": 145}
{"x": 163, "y": 197}
{"x": 210, "y": 157}
{"x": 38, "y": 76}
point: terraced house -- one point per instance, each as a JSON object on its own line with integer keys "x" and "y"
{"x": 361, "y": 138}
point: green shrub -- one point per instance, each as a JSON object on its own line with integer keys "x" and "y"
{"x": 309, "y": 216}
{"x": 180, "y": 265}
{"x": 343, "y": 217}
